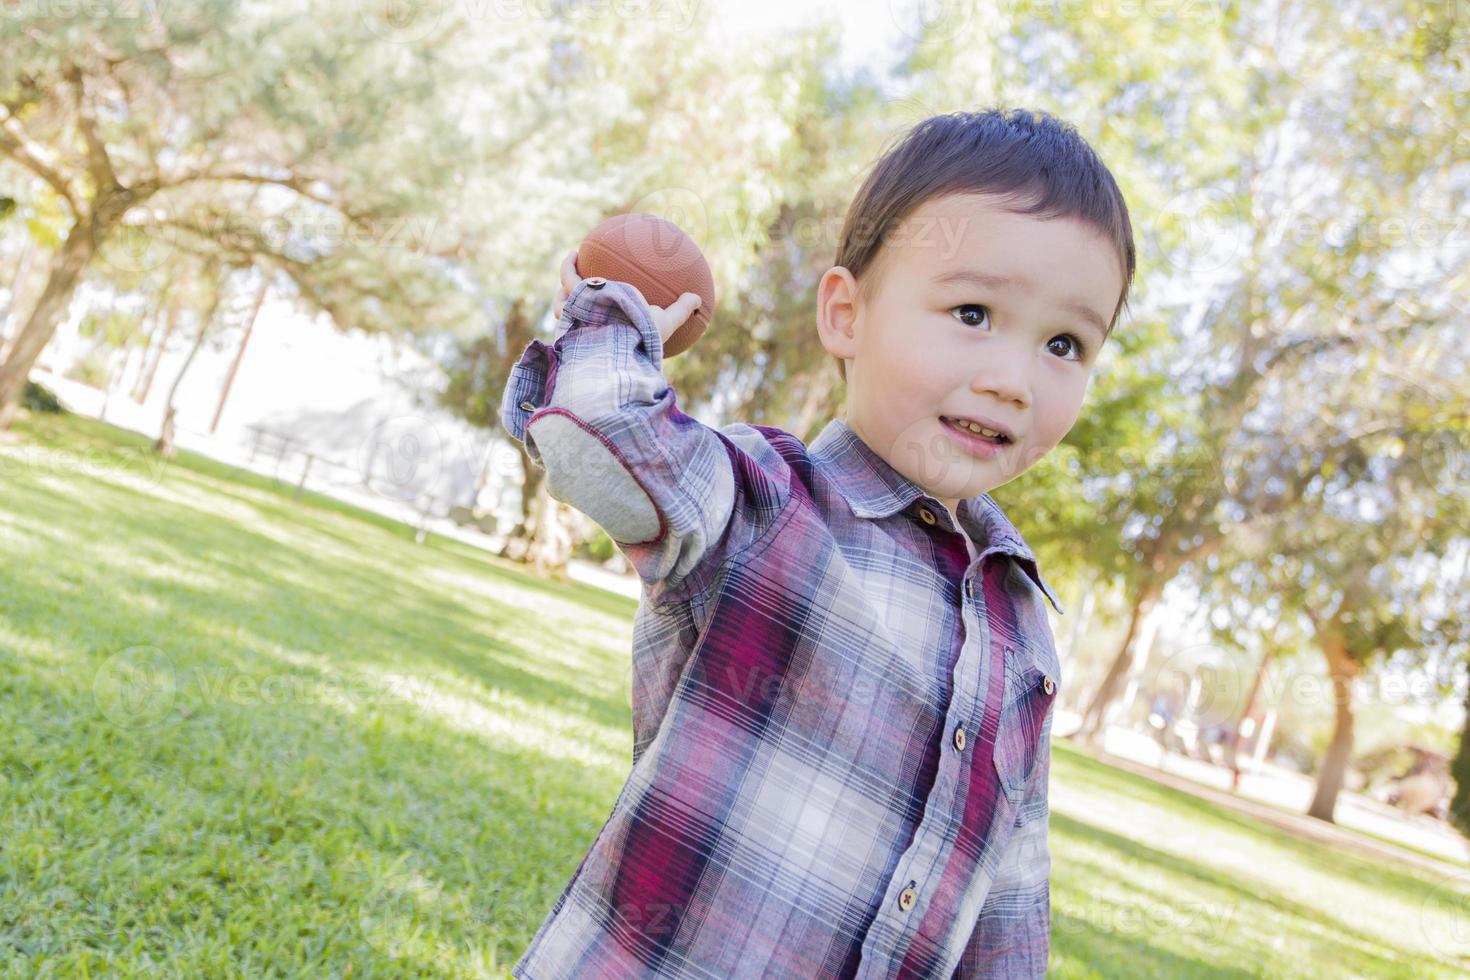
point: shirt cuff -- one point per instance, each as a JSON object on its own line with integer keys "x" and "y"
{"x": 598, "y": 302}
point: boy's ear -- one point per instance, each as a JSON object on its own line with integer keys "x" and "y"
{"x": 837, "y": 312}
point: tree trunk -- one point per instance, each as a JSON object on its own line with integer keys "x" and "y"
{"x": 483, "y": 478}
{"x": 164, "y": 446}
{"x": 1460, "y": 771}
{"x": 17, "y": 286}
{"x": 65, "y": 273}
{"x": 551, "y": 544}
{"x": 542, "y": 538}
{"x": 114, "y": 379}
{"x": 68, "y": 264}
{"x": 1343, "y": 670}
{"x": 1250, "y": 707}
{"x": 151, "y": 354}
{"x": 814, "y": 407}
{"x": 1092, "y": 727}
{"x": 240, "y": 354}
{"x": 1080, "y": 624}
{"x": 516, "y": 542}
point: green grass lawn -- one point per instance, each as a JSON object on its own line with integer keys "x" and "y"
{"x": 244, "y": 735}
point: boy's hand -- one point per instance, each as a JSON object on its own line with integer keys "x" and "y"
{"x": 666, "y": 319}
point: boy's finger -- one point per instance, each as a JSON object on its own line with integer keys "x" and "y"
{"x": 569, "y": 275}
{"x": 688, "y": 306}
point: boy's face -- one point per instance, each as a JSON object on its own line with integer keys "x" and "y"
{"x": 932, "y": 343}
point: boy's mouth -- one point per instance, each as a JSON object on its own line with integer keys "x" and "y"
{"x": 994, "y": 435}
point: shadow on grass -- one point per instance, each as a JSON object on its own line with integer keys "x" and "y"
{"x": 1084, "y": 770}
{"x": 131, "y": 451}
{"x": 290, "y": 816}
{"x": 363, "y": 602}
{"x": 1108, "y": 953}
{"x": 1250, "y": 905}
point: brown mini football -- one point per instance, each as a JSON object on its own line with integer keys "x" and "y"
{"x": 660, "y": 259}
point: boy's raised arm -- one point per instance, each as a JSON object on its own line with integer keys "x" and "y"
{"x": 595, "y": 411}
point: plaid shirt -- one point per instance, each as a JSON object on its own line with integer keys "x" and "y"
{"x": 841, "y": 720}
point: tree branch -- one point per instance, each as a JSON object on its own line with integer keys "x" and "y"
{"x": 16, "y": 149}
{"x": 296, "y": 269}
{"x": 99, "y": 163}
{"x": 146, "y": 131}
{"x": 1321, "y": 343}
{"x": 296, "y": 184}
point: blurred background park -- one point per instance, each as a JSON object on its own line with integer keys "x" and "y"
{"x": 302, "y": 672}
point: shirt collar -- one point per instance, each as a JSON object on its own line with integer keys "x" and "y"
{"x": 873, "y": 488}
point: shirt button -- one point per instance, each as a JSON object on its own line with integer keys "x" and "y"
{"x": 596, "y": 282}
{"x": 529, "y": 406}
{"x": 926, "y": 516}
{"x": 959, "y": 738}
{"x": 1048, "y": 685}
{"x": 907, "y": 897}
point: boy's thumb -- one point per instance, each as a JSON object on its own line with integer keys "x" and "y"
{"x": 691, "y": 303}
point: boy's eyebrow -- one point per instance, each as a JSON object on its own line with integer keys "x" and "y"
{"x": 990, "y": 281}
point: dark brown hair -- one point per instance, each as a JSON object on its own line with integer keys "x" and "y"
{"x": 1036, "y": 163}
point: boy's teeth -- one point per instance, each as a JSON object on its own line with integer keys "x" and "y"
{"x": 977, "y": 428}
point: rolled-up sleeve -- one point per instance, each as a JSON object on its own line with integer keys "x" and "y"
{"x": 595, "y": 411}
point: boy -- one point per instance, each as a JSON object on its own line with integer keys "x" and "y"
{"x": 843, "y": 670}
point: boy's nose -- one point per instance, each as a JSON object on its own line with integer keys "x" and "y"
{"x": 1005, "y": 380}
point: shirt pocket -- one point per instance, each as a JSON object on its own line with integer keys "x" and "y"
{"x": 1030, "y": 694}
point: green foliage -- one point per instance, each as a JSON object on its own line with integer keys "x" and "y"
{"x": 1460, "y": 772}
{"x": 316, "y": 147}
{"x": 598, "y": 547}
{"x": 39, "y": 398}
{"x": 91, "y": 369}
{"x": 112, "y": 329}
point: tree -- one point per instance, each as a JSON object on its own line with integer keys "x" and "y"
{"x": 1272, "y": 195}
{"x": 1460, "y": 771}
{"x": 241, "y": 131}
{"x": 733, "y": 148}
{"x": 250, "y": 318}
{"x": 1368, "y": 550}
{"x": 166, "y": 312}
{"x": 215, "y": 284}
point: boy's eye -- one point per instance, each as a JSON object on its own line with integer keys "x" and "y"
{"x": 972, "y": 307}
{"x": 1078, "y": 347}
{"x": 974, "y": 314}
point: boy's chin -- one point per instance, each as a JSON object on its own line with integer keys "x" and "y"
{"x": 987, "y": 476}
{"x": 976, "y": 490}
{"x": 960, "y": 490}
